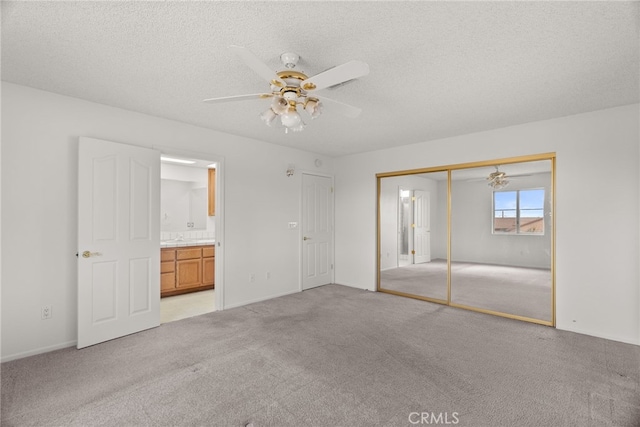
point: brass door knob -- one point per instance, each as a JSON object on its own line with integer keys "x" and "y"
{"x": 87, "y": 254}
{"x": 306, "y": 238}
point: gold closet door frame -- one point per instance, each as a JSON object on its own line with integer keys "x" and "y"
{"x": 450, "y": 168}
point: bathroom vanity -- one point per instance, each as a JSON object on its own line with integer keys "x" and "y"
{"x": 187, "y": 268}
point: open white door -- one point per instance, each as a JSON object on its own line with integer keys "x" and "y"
{"x": 317, "y": 231}
{"x": 118, "y": 240}
{"x": 422, "y": 229}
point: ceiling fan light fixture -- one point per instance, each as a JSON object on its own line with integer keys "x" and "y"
{"x": 289, "y": 88}
{"x": 291, "y": 118}
{"x": 268, "y": 116}
{"x": 497, "y": 180}
{"x": 298, "y": 128}
{"x": 279, "y": 105}
{"x": 313, "y": 107}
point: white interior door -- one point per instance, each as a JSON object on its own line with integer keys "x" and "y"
{"x": 422, "y": 229}
{"x": 317, "y": 231}
{"x": 118, "y": 240}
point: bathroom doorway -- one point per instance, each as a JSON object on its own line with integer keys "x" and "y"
{"x": 189, "y": 225}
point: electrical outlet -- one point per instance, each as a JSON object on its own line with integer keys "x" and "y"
{"x": 46, "y": 312}
{"x": 252, "y": 277}
{"x": 267, "y": 275}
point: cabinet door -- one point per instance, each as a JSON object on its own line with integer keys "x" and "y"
{"x": 189, "y": 273}
{"x": 208, "y": 270}
{"x": 168, "y": 282}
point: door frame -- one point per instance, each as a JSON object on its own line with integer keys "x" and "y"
{"x": 300, "y": 226}
{"x": 410, "y": 238}
{"x": 219, "y": 301}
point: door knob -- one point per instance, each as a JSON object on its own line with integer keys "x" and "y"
{"x": 87, "y": 254}
{"x": 306, "y": 238}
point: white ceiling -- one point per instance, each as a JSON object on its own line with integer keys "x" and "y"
{"x": 438, "y": 69}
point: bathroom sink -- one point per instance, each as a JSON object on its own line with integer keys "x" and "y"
{"x": 187, "y": 242}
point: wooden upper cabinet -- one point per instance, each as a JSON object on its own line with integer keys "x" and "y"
{"x": 212, "y": 192}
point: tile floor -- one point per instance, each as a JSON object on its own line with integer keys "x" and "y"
{"x": 186, "y": 305}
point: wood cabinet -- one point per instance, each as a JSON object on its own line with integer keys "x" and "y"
{"x": 208, "y": 265}
{"x": 167, "y": 270}
{"x": 186, "y": 269}
{"x": 212, "y": 192}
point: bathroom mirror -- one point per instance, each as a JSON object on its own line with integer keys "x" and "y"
{"x": 183, "y": 205}
{"x": 478, "y": 236}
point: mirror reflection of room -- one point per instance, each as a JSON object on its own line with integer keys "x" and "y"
{"x": 492, "y": 251}
{"x": 413, "y": 239}
{"x": 501, "y": 239}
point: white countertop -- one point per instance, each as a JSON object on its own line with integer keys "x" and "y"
{"x": 186, "y": 242}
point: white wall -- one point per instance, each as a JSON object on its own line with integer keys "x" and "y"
{"x": 40, "y": 133}
{"x": 597, "y": 241}
{"x": 184, "y": 173}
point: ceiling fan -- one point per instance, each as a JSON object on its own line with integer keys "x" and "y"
{"x": 291, "y": 88}
{"x": 497, "y": 179}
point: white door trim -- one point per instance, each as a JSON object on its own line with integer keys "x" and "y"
{"x": 219, "y": 217}
{"x": 300, "y": 225}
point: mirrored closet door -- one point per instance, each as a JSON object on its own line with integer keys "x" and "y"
{"x": 478, "y": 236}
{"x": 413, "y": 235}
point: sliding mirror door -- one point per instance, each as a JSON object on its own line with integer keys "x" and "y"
{"x": 478, "y": 236}
{"x": 413, "y": 235}
{"x": 501, "y": 239}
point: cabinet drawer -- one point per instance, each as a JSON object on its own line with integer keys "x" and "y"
{"x": 188, "y": 253}
{"x": 167, "y": 281}
{"x": 167, "y": 254}
{"x": 167, "y": 267}
{"x": 208, "y": 251}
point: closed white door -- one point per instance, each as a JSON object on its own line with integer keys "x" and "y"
{"x": 317, "y": 231}
{"x": 118, "y": 240}
{"x": 422, "y": 226}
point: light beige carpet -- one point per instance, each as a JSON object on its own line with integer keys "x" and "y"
{"x": 331, "y": 356}
{"x": 513, "y": 290}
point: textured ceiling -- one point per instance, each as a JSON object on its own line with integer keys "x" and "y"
{"x": 438, "y": 69}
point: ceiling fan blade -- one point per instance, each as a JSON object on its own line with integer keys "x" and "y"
{"x": 257, "y": 65}
{"x": 340, "y": 107}
{"x": 237, "y": 98}
{"x": 336, "y": 75}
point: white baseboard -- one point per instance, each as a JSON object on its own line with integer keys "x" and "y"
{"x": 37, "y": 351}
{"x": 240, "y": 304}
{"x": 351, "y": 285}
{"x": 605, "y": 336}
